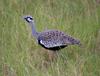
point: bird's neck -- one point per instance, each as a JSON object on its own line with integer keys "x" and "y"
{"x": 34, "y": 32}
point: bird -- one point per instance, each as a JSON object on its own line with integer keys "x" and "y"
{"x": 52, "y": 40}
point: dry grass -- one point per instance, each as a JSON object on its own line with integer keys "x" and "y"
{"x": 20, "y": 55}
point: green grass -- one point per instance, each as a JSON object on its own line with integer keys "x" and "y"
{"x": 20, "y": 55}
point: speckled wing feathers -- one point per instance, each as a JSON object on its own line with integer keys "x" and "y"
{"x": 53, "y": 38}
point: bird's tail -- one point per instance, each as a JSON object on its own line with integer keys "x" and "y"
{"x": 76, "y": 41}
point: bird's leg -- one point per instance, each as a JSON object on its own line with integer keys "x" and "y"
{"x": 52, "y": 55}
{"x": 46, "y": 57}
{"x": 49, "y": 57}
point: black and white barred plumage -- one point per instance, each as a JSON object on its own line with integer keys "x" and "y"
{"x": 55, "y": 40}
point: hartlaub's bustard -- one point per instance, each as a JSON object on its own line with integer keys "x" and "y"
{"x": 53, "y": 40}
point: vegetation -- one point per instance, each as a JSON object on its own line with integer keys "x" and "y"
{"x": 20, "y": 55}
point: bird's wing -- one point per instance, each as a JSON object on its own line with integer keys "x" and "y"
{"x": 53, "y": 38}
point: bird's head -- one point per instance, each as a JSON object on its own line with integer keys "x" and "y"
{"x": 28, "y": 18}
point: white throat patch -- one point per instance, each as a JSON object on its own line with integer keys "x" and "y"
{"x": 29, "y": 19}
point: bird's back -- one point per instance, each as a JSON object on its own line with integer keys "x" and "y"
{"x": 55, "y": 40}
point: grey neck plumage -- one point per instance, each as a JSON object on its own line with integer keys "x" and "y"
{"x": 34, "y": 32}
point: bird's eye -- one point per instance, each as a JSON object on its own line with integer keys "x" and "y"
{"x": 31, "y": 18}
